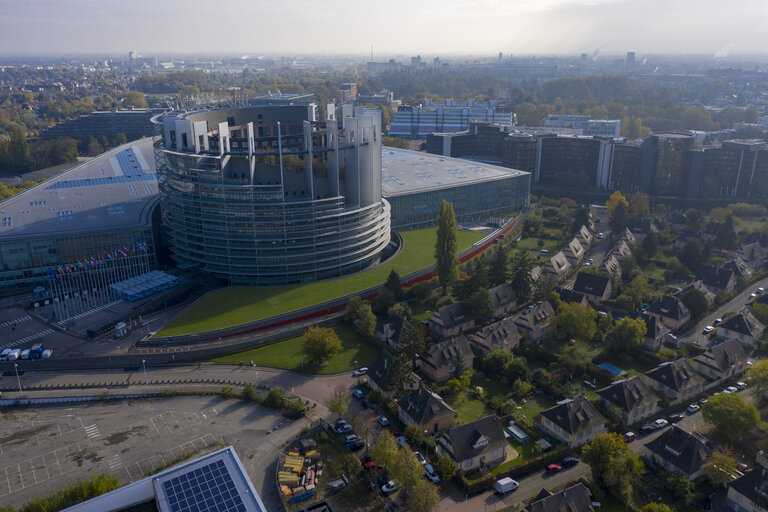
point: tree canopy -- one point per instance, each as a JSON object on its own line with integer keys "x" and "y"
{"x": 757, "y": 378}
{"x": 614, "y": 465}
{"x": 575, "y": 320}
{"x": 730, "y": 415}
{"x": 447, "y": 266}
{"x": 321, "y": 344}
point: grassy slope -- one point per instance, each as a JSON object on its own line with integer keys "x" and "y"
{"x": 233, "y": 306}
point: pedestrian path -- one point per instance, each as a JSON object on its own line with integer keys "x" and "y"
{"x": 27, "y": 339}
{"x": 10, "y": 323}
{"x": 89, "y": 312}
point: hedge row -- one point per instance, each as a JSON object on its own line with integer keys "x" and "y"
{"x": 539, "y": 462}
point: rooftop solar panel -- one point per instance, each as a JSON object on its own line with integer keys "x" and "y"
{"x": 206, "y": 489}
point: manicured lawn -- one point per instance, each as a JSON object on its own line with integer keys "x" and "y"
{"x": 469, "y": 409}
{"x": 288, "y": 354}
{"x": 234, "y": 306}
{"x": 534, "y": 405}
{"x": 525, "y": 453}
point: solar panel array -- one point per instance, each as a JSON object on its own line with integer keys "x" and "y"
{"x": 206, "y": 489}
{"x": 129, "y": 164}
{"x": 89, "y": 182}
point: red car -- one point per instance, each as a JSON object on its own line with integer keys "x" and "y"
{"x": 395, "y": 433}
{"x": 554, "y": 468}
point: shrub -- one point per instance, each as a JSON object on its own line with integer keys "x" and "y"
{"x": 249, "y": 393}
{"x": 414, "y": 435}
{"x": 275, "y": 398}
{"x": 73, "y": 494}
{"x": 296, "y": 408}
{"x": 374, "y": 397}
{"x": 227, "y": 392}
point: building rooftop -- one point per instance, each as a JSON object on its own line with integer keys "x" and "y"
{"x": 114, "y": 190}
{"x": 406, "y": 172}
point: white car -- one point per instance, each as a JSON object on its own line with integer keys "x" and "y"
{"x": 401, "y": 441}
{"x": 599, "y": 236}
{"x": 383, "y": 421}
{"x": 351, "y": 437}
{"x": 429, "y": 472}
{"x": 360, "y": 371}
{"x": 25, "y": 353}
{"x": 389, "y": 487}
{"x": 47, "y": 353}
{"x": 693, "y": 408}
{"x": 761, "y": 290}
{"x": 357, "y": 393}
{"x": 741, "y": 385}
{"x": 730, "y": 389}
{"x": 420, "y": 458}
{"x": 708, "y": 329}
{"x": 660, "y": 423}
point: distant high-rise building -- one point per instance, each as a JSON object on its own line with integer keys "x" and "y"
{"x": 501, "y": 56}
{"x": 584, "y": 57}
{"x": 348, "y": 92}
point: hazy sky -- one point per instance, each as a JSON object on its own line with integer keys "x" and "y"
{"x": 256, "y": 27}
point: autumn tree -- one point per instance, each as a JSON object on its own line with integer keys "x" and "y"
{"x": 721, "y": 468}
{"x": 575, "y": 320}
{"x": 730, "y": 415}
{"x": 321, "y": 344}
{"x": 614, "y": 465}
{"x": 639, "y": 204}
{"x": 447, "y": 262}
{"x": 613, "y": 201}
{"x": 757, "y": 378}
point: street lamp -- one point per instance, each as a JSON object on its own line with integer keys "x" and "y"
{"x": 356, "y": 368}
{"x": 16, "y": 365}
{"x": 426, "y": 442}
{"x": 146, "y": 382}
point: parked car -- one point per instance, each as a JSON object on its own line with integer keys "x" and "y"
{"x": 629, "y": 437}
{"x": 420, "y": 458}
{"x": 14, "y": 354}
{"x": 599, "y": 236}
{"x": 674, "y": 418}
{"x": 554, "y": 468}
{"x": 708, "y": 329}
{"x": 429, "y": 472}
{"x": 569, "y": 462}
{"x": 47, "y": 353}
{"x": 395, "y": 433}
{"x": 505, "y": 485}
{"x": 25, "y": 354}
{"x": 344, "y": 429}
{"x": 401, "y": 441}
{"x": 761, "y": 290}
{"x": 356, "y": 445}
{"x": 731, "y": 389}
{"x": 339, "y": 423}
{"x": 4, "y": 354}
{"x": 717, "y": 321}
{"x": 702, "y": 401}
{"x": 752, "y": 296}
{"x": 351, "y": 437}
{"x": 647, "y": 429}
{"x": 693, "y": 408}
{"x": 389, "y": 487}
{"x": 360, "y": 371}
{"x": 660, "y": 423}
{"x": 357, "y": 393}
{"x": 383, "y": 421}
{"x": 741, "y": 385}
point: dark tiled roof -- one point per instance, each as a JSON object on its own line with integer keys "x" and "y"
{"x": 640, "y": 224}
{"x": 441, "y": 354}
{"x": 739, "y": 268}
{"x": 654, "y": 328}
{"x": 723, "y": 356}
{"x": 716, "y": 277}
{"x": 684, "y": 450}
{"x": 535, "y": 315}
{"x": 591, "y": 284}
{"x": 743, "y": 323}
{"x": 502, "y": 295}
{"x": 572, "y": 499}
{"x": 395, "y": 323}
{"x": 451, "y": 315}
{"x": 754, "y": 486}
{"x": 378, "y": 370}
{"x": 460, "y": 440}
{"x": 629, "y": 394}
{"x": 567, "y": 295}
{"x": 424, "y": 406}
{"x": 756, "y": 237}
{"x": 575, "y": 415}
{"x": 678, "y": 375}
{"x": 669, "y": 307}
{"x": 501, "y": 335}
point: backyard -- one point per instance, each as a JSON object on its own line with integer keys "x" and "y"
{"x": 232, "y": 306}
{"x": 288, "y": 354}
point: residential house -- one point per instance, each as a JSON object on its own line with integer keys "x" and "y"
{"x": 390, "y": 331}
{"x": 452, "y": 319}
{"x": 379, "y": 374}
{"x": 585, "y": 236}
{"x": 676, "y": 379}
{"x": 749, "y": 493}
{"x": 574, "y": 421}
{"x": 534, "y": 321}
{"x": 622, "y": 249}
{"x": 427, "y": 410}
{"x": 633, "y": 397}
{"x": 640, "y": 224}
{"x": 568, "y": 295}
{"x": 743, "y": 326}
{"x": 576, "y": 498}
{"x": 477, "y": 444}
{"x": 670, "y": 310}
{"x": 678, "y": 220}
{"x": 655, "y": 333}
{"x": 574, "y": 252}
{"x": 596, "y": 288}
{"x": 501, "y": 335}
{"x": 627, "y": 237}
{"x": 722, "y": 362}
{"x": 740, "y": 269}
{"x": 753, "y": 250}
{"x": 681, "y": 451}
{"x": 558, "y": 266}
{"x": 719, "y": 280}
{"x": 437, "y": 362}
{"x": 611, "y": 264}
{"x": 701, "y": 287}
{"x": 503, "y": 299}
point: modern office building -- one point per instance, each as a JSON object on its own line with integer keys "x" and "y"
{"x": 417, "y": 121}
{"x": 348, "y": 92}
{"x": 104, "y": 204}
{"x": 132, "y": 123}
{"x": 572, "y": 161}
{"x": 214, "y": 482}
{"x": 586, "y": 125}
{"x": 266, "y": 196}
{"x": 415, "y": 184}
{"x": 737, "y": 168}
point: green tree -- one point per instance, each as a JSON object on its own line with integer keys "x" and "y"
{"x": 730, "y": 415}
{"x": 421, "y": 291}
{"x": 656, "y": 507}
{"x": 692, "y": 254}
{"x": 275, "y": 398}
{"x": 480, "y": 303}
{"x": 412, "y": 339}
{"x": 18, "y": 155}
{"x": 619, "y": 218}
{"x": 614, "y": 465}
{"x": 447, "y": 263}
{"x": 575, "y": 320}
{"x": 636, "y": 292}
{"x": 696, "y": 302}
{"x": 499, "y": 265}
{"x": 402, "y": 309}
{"x": 721, "y": 468}
{"x": 385, "y": 450}
{"x": 650, "y": 244}
{"x": 423, "y": 497}
{"x": 694, "y": 218}
{"x": 726, "y": 235}
{"x": 544, "y": 288}
{"x": 414, "y": 435}
{"x": 383, "y": 301}
{"x": 393, "y": 284}
{"x": 360, "y": 314}
{"x": 457, "y": 366}
{"x": 761, "y": 312}
{"x": 522, "y": 265}
{"x": 757, "y": 378}
{"x": 249, "y": 393}
{"x": 407, "y": 469}
{"x": 321, "y": 344}
{"x": 581, "y": 218}
{"x": 339, "y": 401}
{"x": 399, "y": 376}
{"x": 627, "y": 334}
{"x": 134, "y": 99}
{"x": 445, "y": 468}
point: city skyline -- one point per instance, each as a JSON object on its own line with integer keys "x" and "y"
{"x": 430, "y": 27}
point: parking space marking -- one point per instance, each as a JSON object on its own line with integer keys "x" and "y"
{"x": 5, "y": 485}
{"x": 92, "y": 431}
{"x": 114, "y": 462}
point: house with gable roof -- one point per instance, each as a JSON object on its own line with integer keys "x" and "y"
{"x": 595, "y": 287}
{"x": 573, "y": 421}
{"x": 535, "y": 320}
{"x": 501, "y": 335}
{"x": 670, "y": 311}
{"x": 576, "y": 498}
{"x": 390, "y": 331}
{"x": 379, "y": 375}
{"x": 427, "y": 410}
{"x": 477, "y": 444}
{"x": 719, "y": 280}
{"x": 655, "y": 333}
{"x": 584, "y": 236}
{"x": 574, "y": 251}
{"x": 503, "y": 299}
{"x": 633, "y": 397}
{"x": 437, "y": 361}
{"x": 742, "y": 326}
{"x": 722, "y": 362}
{"x": 677, "y": 379}
{"x": 679, "y": 450}
{"x": 749, "y": 492}
{"x": 558, "y": 266}
{"x": 452, "y": 319}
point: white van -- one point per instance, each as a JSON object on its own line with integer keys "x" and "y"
{"x": 25, "y": 353}
{"x": 14, "y": 354}
{"x": 505, "y": 485}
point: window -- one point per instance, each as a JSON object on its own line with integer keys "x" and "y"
{"x": 468, "y": 463}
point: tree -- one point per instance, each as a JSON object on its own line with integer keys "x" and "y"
{"x": 656, "y": 507}
{"x": 575, "y": 320}
{"x": 339, "y": 402}
{"x": 445, "y": 468}
{"x": 636, "y": 291}
{"x": 639, "y": 204}
{"x": 423, "y": 497}
{"x": 479, "y": 274}
{"x": 730, "y": 415}
{"x": 499, "y": 264}
{"x": 402, "y": 309}
{"x": 692, "y": 254}
{"x": 694, "y": 218}
{"x": 457, "y": 366}
{"x": 383, "y": 301}
{"x": 721, "y": 468}
{"x": 447, "y": 264}
{"x": 726, "y": 235}
{"x": 407, "y": 469}
{"x": 613, "y": 201}
{"x": 134, "y": 99}
{"x": 275, "y": 398}
{"x": 619, "y": 218}
{"x": 757, "y": 378}
{"x": 421, "y": 291}
{"x": 614, "y": 465}
{"x": 321, "y": 344}
{"x": 544, "y": 288}
{"x": 696, "y": 302}
{"x": 650, "y": 244}
{"x": 761, "y": 312}
{"x": 581, "y": 218}
{"x": 627, "y": 334}
{"x": 480, "y": 303}
{"x": 412, "y": 339}
{"x": 18, "y": 152}
{"x": 249, "y": 393}
{"x": 399, "y": 376}
{"x": 522, "y": 264}
{"x": 393, "y": 284}
{"x": 385, "y": 450}
{"x": 360, "y": 314}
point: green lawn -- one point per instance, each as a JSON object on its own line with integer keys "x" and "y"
{"x": 534, "y": 405}
{"x": 525, "y": 453}
{"x": 288, "y": 354}
{"x": 469, "y": 409}
{"x": 234, "y": 306}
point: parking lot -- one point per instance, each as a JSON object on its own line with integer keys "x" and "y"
{"x": 44, "y": 448}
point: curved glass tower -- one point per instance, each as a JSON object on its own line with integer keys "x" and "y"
{"x": 267, "y": 196}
